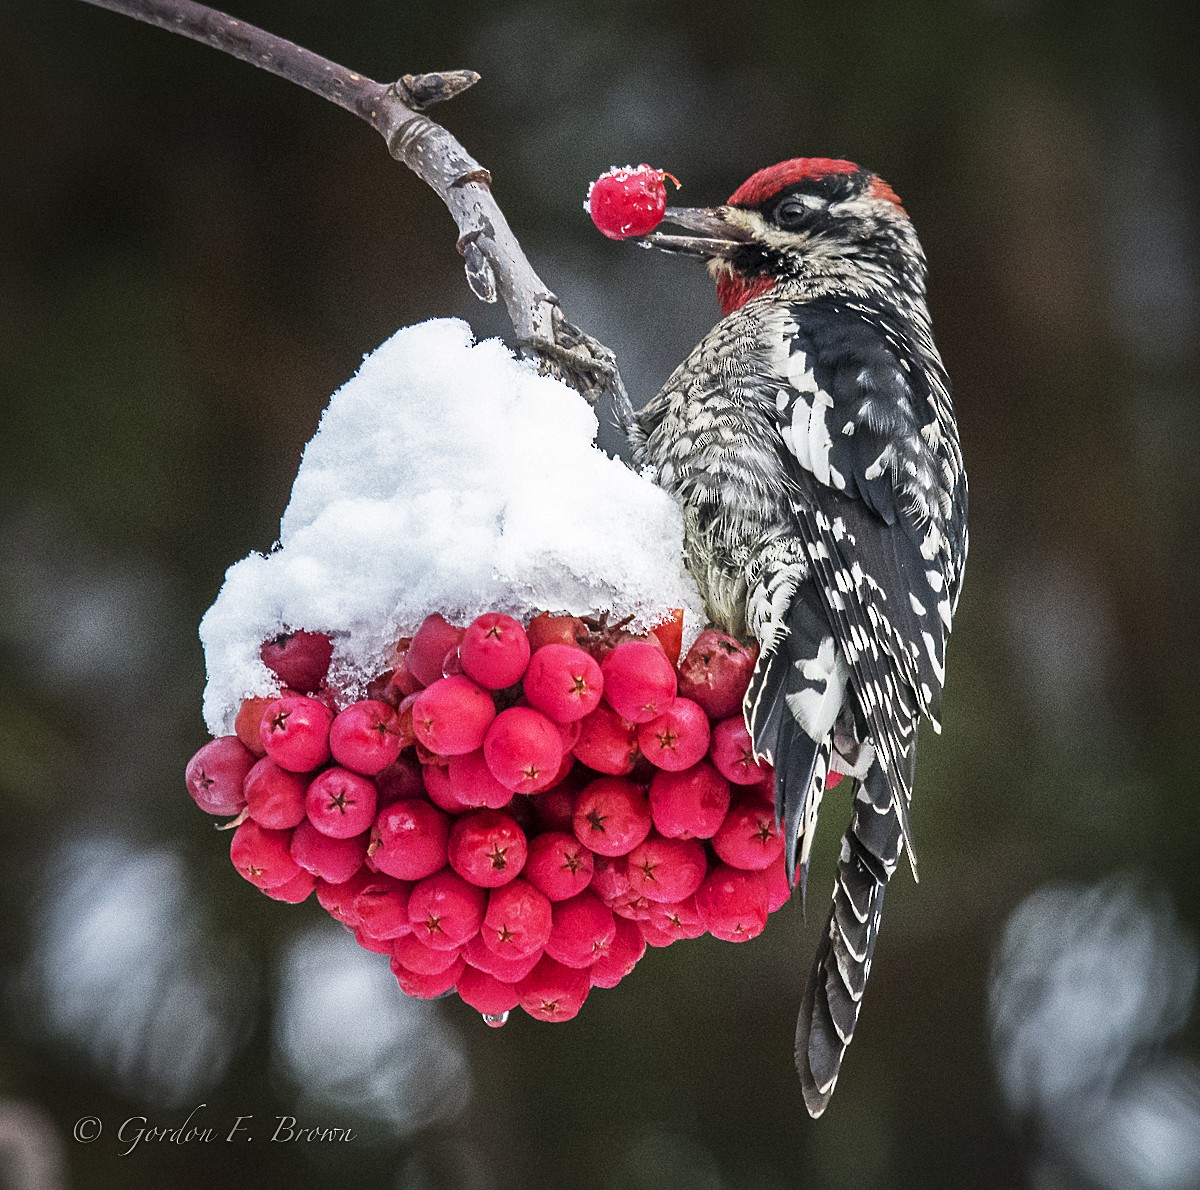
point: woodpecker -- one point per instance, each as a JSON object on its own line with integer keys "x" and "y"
{"x": 811, "y": 444}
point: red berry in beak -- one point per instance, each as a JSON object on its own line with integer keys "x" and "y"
{"x": 628, "y": 202}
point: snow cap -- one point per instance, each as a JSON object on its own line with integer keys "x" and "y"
{"x": 446, "y": 476}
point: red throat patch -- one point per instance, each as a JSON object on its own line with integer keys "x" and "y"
{"x": 734, "y": 291}
{"x": 761, "y": 186}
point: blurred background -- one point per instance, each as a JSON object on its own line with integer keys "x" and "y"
{"x": 194, "y": 255}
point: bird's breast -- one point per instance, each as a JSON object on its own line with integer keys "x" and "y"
{"x": 711, "y": 439}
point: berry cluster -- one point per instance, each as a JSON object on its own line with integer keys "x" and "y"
{"x": 513, "y": 811}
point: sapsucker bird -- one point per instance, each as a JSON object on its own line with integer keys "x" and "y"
{"x": 810, "y": 441}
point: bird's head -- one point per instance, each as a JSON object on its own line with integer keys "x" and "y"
{"x": 804, "y": 220}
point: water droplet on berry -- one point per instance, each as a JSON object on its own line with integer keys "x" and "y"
{"x": 494, "y": 1020}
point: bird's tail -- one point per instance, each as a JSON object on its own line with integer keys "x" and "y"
{"x": 871, "y": 849}
{"x": 795, "y": 696}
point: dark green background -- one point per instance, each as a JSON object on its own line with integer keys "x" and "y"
{"x": 193, "y": 255}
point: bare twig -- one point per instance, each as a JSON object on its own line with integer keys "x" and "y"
{"x": 494, "y": 262}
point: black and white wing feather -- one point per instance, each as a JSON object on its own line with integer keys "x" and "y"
{"x": 867, "y": 433}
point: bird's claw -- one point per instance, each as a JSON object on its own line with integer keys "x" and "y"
{"x": 577, "y": 359}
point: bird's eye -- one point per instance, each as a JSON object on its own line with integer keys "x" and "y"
{"x": 792, "y": 212}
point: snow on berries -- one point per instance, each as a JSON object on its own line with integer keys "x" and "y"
{"x": 524, "y": 841}
{"x": 626, "y": 202}
{"x": 446, "y": 477}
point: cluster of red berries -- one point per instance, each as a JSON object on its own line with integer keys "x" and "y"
{"x": 513, "y": 812}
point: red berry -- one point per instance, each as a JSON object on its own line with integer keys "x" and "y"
{"x": 403, "y": 725}
{"x": 732, "y": 903}
{"x": 634, "y": 906}
{"x": 748, "y": 838}
{"x": 332, "y": 859}
{"x": 275, "y": 797}
{"x": 380, "y": 689}
{"x": 482, "y": 957}
{"x": 582, "y": 929}
{"x": 607, "y": 743}
{"x": 443, "y": 792}
{"x": 523, "y": 750}
{"x": 627, "y": 947}
{"x": 295, "y": 733}
{"x": 494, "y": 651}
{"x": 365, "y": 737}
{"x": 295, "y": 890}
{"x": 381, "y": 907}
{"x": 733, "y": 753}
{"x": 554, "y": 809}
{"x": 485, "y": 993}
{"x": 428, "y": 649}
{"x": 669, "y": 634}
{"x": 249, "y": 717}
{"x": 569, "y": 733}
{"x": 340, "y": 803}
{"x": 474, "y": 784}
{"x": 639, "y": 682}
{"x": 517, "y": 922}
{"x": 679, "y": 920}
{"x": 370, "y": 942}
{"x": 716, "y": 672}
{"x": 690, "y": 804}
{"x": 338, "y": 899}
{"x": 558, "y": 865}
{"x": 261, "y": 856}
{"x": 545, "y": 629}
{"x": 487, "y": 848}
{"x": 401, "y": 780}
{"x": 563, "y": 683}
{"x": 628, "y": 202}
{"x": 564, "y": 770}
{"x": 678, "y": 738}
{"x": 612, "y": 816}
{"x": 427, "y": 987}
{"x": 667, "y": 870}
{"x": 445, "y": 910}
{"x": 778, "y": 889}
{"x": 452, "y": 716}
{"x": 402, "y": 681}
{"x": 409, "y": 839}
{"x": 424, "y": 960}
{"x": 610, "y": 877}
{"x": 301, "y": 659}
{"x": 656, "y": 937}
{"x": 552, "y": 992}
{"x": 215, "y": 775}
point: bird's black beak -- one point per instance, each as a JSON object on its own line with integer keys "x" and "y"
{"x": 714, "y": 234}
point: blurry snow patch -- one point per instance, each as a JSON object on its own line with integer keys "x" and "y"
{"x": 127, "y": 970}
{"x": 351, "y": 1039}
{"x": 76, "y": 616}
{"x": 446, "y": 476}
{"x": 1060, "y": 622}
{"x": 1088, "y": 983}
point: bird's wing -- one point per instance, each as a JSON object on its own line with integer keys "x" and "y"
{"x": 875, "y": 476}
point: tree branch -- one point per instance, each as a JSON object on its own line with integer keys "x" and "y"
{"x": 494, "y": 262}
